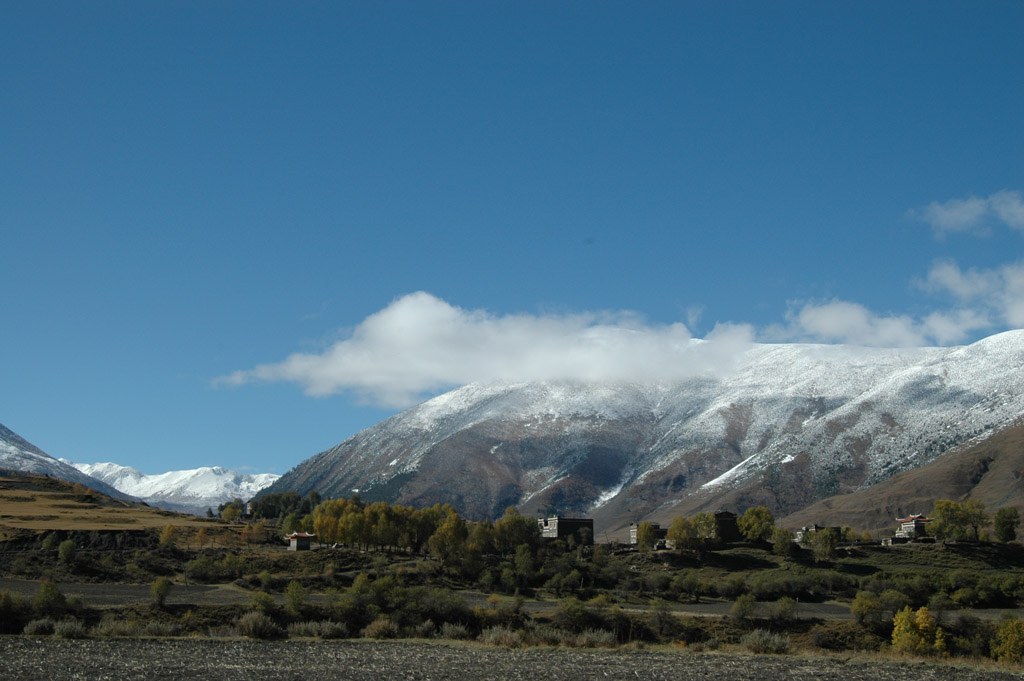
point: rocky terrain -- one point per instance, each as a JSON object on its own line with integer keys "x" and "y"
{"x": 30, "y": 659}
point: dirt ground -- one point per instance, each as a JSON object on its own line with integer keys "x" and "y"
{"x": 34, "y": 659}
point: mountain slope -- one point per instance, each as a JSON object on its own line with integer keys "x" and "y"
{"x": 187, "y": 491}
{"x": 790, "y": 425}
{"x": 991, "y": 471}
{"x": 17, "y": 454}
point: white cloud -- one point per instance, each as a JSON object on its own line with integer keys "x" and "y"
{"x": 974, "y": 214}
{"x": 947, "y": 277}
{"x": 995, "y": 293}
{"x": 840, "y": 321}
{"x": 954, "y": 326}
{"x": 1008, "y": 207}
{"x": 420, "y": 344}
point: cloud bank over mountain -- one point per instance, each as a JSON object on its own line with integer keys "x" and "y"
{"x": 420, "y": 345}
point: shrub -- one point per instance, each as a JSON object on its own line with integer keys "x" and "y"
{"x": 502, "y": 636}
{"x": 263, "y": 602}
{"x": 70, "y": 628}
{"x": 546, "y": 634}
{"x": 49, "y": 601}
{"x": 893, "y": 601}
{"x": 168, "y": 536}
{"x": 744, "y": 608}
{"x": 838, "y": 635}
{"x": 331, "y": 630}
{"x": 381, "y": 628}
{"x": 661, "y": 619}
{"x": 303, "y": 629}
{"x": 114, "y": 627}
{"x": 160, "y": 589}
{"x": 324, "y": 629}
{"x": 969, "y": 636}
{"x": 594, "y": 638}
{"x": 159, "y": 629}
{"x": 205, "y": 569}
{"x": 782, "y": 542}
{"x": 1008, "y": 645}
{"x": 66, "y": 551}
{"x": 572, "y": 614}
{"x": 296, "y": 595}
{"x": 732, "y": 587}
{"x": 39, "y": 627}
{"x": 258, "y": 625}
{"x": 762, "y": 641}
{"x": 865, "y": 606}
{"x": 782, "y": 610}
{"x": 425, "y": 629}
{"x": 14, "y": 610}
{"x": 452, "y": 630}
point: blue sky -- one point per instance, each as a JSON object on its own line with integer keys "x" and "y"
{"x": 236, "y": 233}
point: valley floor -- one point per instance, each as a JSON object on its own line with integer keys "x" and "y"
{"x": 107, "y": 595}
{"x": 33, "y": 659}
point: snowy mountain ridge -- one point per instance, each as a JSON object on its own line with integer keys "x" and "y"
{"x": 189, "y": 491}
{"x": 794, "y": 423}
{"x": 17, "y": 454}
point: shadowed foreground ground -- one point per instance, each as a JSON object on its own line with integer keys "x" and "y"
{"x": 34, "y": 659}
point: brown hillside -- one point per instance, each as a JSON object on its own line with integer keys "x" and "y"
{"x": 38, "y": 502}
{"x": 990, "y": 471}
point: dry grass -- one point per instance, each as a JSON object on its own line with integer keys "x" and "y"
{"x": 39, "y": 503}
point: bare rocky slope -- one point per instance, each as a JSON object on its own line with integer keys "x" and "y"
{"x": 788, "y": 426}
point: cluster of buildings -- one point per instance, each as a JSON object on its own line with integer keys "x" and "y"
{"x": 581, "y": 531}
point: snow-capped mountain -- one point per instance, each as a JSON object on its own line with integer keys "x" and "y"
{"x": 188, "y": 491}
{"x": 17, "y": 454}
{"x": 789, "y": 425}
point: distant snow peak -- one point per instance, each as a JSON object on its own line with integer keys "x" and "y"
{"x": 190, "y": 491}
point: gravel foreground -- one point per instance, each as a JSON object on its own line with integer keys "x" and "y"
{"x": 34, "y": 659}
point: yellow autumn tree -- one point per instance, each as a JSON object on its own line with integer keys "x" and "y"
{"x": 1008, "y": 645}
{"x": 917, "y": 633}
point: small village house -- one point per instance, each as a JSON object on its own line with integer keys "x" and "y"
{"x": 803, "y": 533}
{"x": 660, "y": 534}
{"x": 299, "y": 541}
{"x": 726, "y": 528}
{"x": 557, "y": 527}
{"x": 912, "y": 527}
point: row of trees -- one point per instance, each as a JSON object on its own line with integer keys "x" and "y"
{"x": 950, "y": 520}
{"x": 438, "y": 528}
{"x": 965, "y": 520}
{"x": 704, "y": 529}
